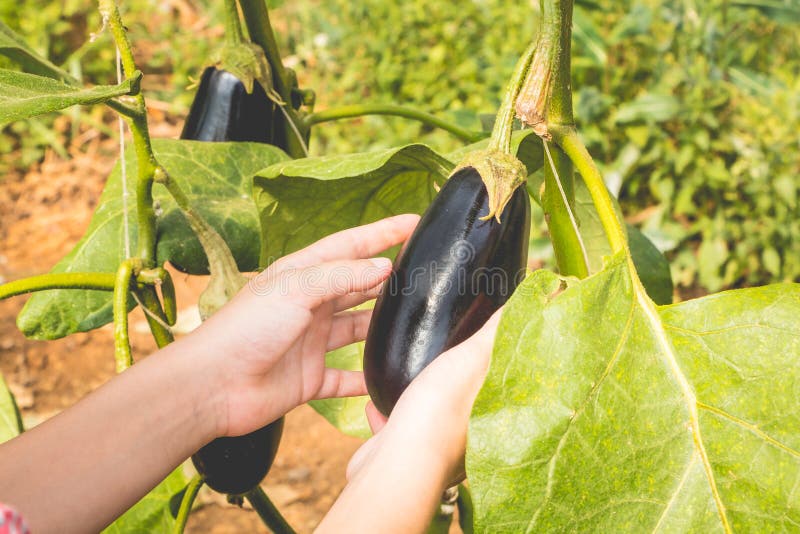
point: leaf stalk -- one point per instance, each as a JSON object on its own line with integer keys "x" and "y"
{"x": 360, "y": 110}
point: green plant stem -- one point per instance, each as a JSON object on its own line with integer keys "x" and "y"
{"x": 267, "y": 511}
{"x": 122, "y": 298}
{"x": 466, "y": 510}
{"x": 137, "y": 121}
{"x": 186, "y": 504}
{"x": 559, "y": 186}
{"x": 567, "y": 138}
{"x": 557, "y": 20}
{"x": 161, "y": 277}
{"x": 233, "y": 27}
{"x": 42, "y": 282}
{"x": 554, "y": 87}
{"x": 360, "y": 110}
{"x": 256, "y": 17}
{"x": 156, "y": 319}
{"x": 504, "y": 122}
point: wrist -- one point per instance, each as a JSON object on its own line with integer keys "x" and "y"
{"x": 200, "y": 384}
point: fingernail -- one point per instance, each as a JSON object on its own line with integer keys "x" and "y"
{"x": 381, "y": 263}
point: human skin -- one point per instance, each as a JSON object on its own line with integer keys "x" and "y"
{"x": 260, "y": 356}
{"x": 396, "y": 479}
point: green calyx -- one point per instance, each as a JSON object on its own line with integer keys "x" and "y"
{"x": 247, "y": 62}
{"x": 502, "y": 174}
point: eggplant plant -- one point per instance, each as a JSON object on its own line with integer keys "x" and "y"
{"x": 606, "y": 407}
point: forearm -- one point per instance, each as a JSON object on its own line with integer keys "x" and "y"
{"x": 81, "y": 469}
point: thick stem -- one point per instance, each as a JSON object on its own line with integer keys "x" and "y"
{"x": 557, "y": 18}
{"x": 145, "y": 213}
{"x": 161, "y": 277}
{"x": 504, "y": 122}
{"x": 268, "y": 513}
{"x": 186, "y": 504}
{"x": 256, "y": 17}
{"x": 544, "y": 102}
{"x": 233, "y": 27}
{"x": 99, "y": 281}
{"x": 122, "y": 299}
{"x": 359, "y": 110}
{"x": 137, "y": 120}
{"x": 155, "y": 316}
{"x": 567, "y": 138}
{"x": 560, "y": 215}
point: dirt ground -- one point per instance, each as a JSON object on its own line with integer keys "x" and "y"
{"x": 43, "y": 213}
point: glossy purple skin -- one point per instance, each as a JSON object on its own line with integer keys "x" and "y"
{"x": 454, "y": 272}
{"x": 222, "y": 110}
{"x": 237, "y": 465}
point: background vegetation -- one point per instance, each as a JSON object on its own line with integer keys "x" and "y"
{"x": 692, "y": 108}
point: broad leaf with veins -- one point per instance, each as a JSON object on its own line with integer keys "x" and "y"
{"x": 604, "y": 412}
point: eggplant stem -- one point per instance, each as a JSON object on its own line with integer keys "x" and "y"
{"x": 268, "y": 512}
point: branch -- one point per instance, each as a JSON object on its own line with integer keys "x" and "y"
{"x": 137, "y": 120}
{"x": 503, "y": 124}
{"x": 360, "y": 110}
{"x": 567, "y": 138}
{"x": 268, "y": 513}
{"x": 99, "y": 281}
{"x": 156, "y": 319}
{"x": 186, "y": 503}
{"x": 122, "y": 298}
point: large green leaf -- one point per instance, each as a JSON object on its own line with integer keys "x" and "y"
{"x": 24, "y": 95}
{"x": 156, "y": 511}
{"x": 302, "y": 200}
{"x": 10, "y": 419}
{"x": 601, "y": 412}
{"x": 15, "y": 48}
{"x": 217, "y": 179}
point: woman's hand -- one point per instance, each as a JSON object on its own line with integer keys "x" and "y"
{"x": 418, "y": 452}
{"x": 266, "y": 348}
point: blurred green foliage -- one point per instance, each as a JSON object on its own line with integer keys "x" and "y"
{"x": 692, "y": 108}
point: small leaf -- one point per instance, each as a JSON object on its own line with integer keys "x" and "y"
{"x": 25, "y": 95}
{"x": 157, "y": 510}
{"x": 217, "y": 178}
{"x": 16, "y": 49}
{"x": 10, "y": 419}
{"x": 601, "y": 412}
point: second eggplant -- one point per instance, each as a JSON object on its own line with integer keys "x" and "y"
{"x": 222, "y": 110}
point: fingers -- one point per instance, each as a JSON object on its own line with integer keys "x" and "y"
{"x": 355, "y": 243}
{"x": 338, "y": 383}
{"x": 329, "y": 281}
{"x": 348, "y": 327}
{"x": 375, "y": 418}
{"x": 354, "y": 299}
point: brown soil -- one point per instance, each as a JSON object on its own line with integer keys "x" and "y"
{"x": 43, "y": 213}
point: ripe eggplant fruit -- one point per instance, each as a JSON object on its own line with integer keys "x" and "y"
{"x": 222, "y": 110}
{"x": 237, "y": 465}
{"x": 454, "y": 272}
